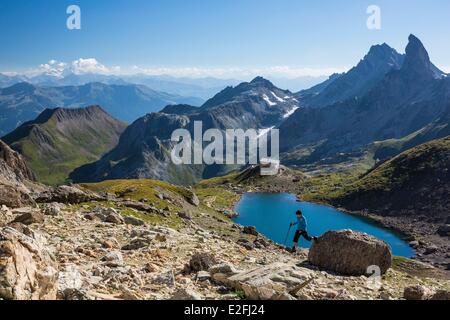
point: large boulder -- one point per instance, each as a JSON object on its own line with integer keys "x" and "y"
{"x": 67, "y": 194}
{"x": 27, "y": 271}
{"x": 350, "y": 253}
{"x": 191, "y": 197}
{"x": 14, "y": 196}
{"x": 29, "y": 216}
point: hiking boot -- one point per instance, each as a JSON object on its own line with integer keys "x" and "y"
{"x": 315, "y": 239}
{"x": 293, "y": 250}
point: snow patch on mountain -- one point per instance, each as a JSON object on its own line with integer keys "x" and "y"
{"x": 263, "y": 132}
{"x": 277, "y": 97}
{"x": 269, "y": 102}
{"x": 290, "y": 113}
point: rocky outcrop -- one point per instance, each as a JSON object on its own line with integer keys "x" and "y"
{"x": 27, "y": 271}
{"x": 14, "y": 174}
{"x": 350, "y": 253}
{"x": 67, "y": 194}
{"x": 192, "y": 198}
{"x": 15, "y": 196}
{"x": 15, "y": 162}
{"x": 29, "y": 217}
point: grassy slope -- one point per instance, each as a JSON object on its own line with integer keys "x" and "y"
{"x": 208, "y": 214}
{"x": 148, "y": 190}
{"x": 409, "y": 178}
{"x": 53, "y": 158}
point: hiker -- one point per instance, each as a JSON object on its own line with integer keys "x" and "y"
{"x": 302, "y": 230}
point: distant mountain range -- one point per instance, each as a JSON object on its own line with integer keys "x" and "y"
{"x": 8, "y": 81}
{"x": 144, "y": 148}
{"x": 387, "y": 104}
{"x": 60, "y": 140}
{"x": 24, "y": 102}
{"x": 200, "y": 87}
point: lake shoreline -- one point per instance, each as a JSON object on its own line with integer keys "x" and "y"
{"x": 346, "y": 220}
{"x": 404, "y": 234}
{"x": 420, "y": 238}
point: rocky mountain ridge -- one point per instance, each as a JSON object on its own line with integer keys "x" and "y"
{"x": 380, "y": 60}
{"x": 404, "y": 101}
{"x": 144, "y": 148}
{"x": 60, "y": 140}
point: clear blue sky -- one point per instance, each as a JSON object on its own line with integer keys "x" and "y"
{"x": 216, "y": 33}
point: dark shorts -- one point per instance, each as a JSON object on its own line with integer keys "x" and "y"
{"x": 303, "y": 234}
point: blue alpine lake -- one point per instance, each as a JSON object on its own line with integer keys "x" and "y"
{"x": 271, "y": 214}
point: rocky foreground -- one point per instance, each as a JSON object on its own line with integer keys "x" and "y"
{"x": 145, "y": 239}
{"x": 422, "y": 210}
{"x": 77, "y": 244}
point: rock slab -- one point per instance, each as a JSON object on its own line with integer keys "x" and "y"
{"x": 350, "y": 253}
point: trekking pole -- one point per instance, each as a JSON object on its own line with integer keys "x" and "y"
{"x": 287, "y": 235}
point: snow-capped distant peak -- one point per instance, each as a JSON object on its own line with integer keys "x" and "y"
{"x": 290, "y": 113}
{"x": 268, "y": 101}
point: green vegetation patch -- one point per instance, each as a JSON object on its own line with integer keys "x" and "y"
{"x": 219, "y": 198}
{"x": 139, "y": 189}
{"x": 172, "y": 221}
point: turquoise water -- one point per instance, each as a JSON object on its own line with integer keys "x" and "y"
{"x": 272, "y": 213}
